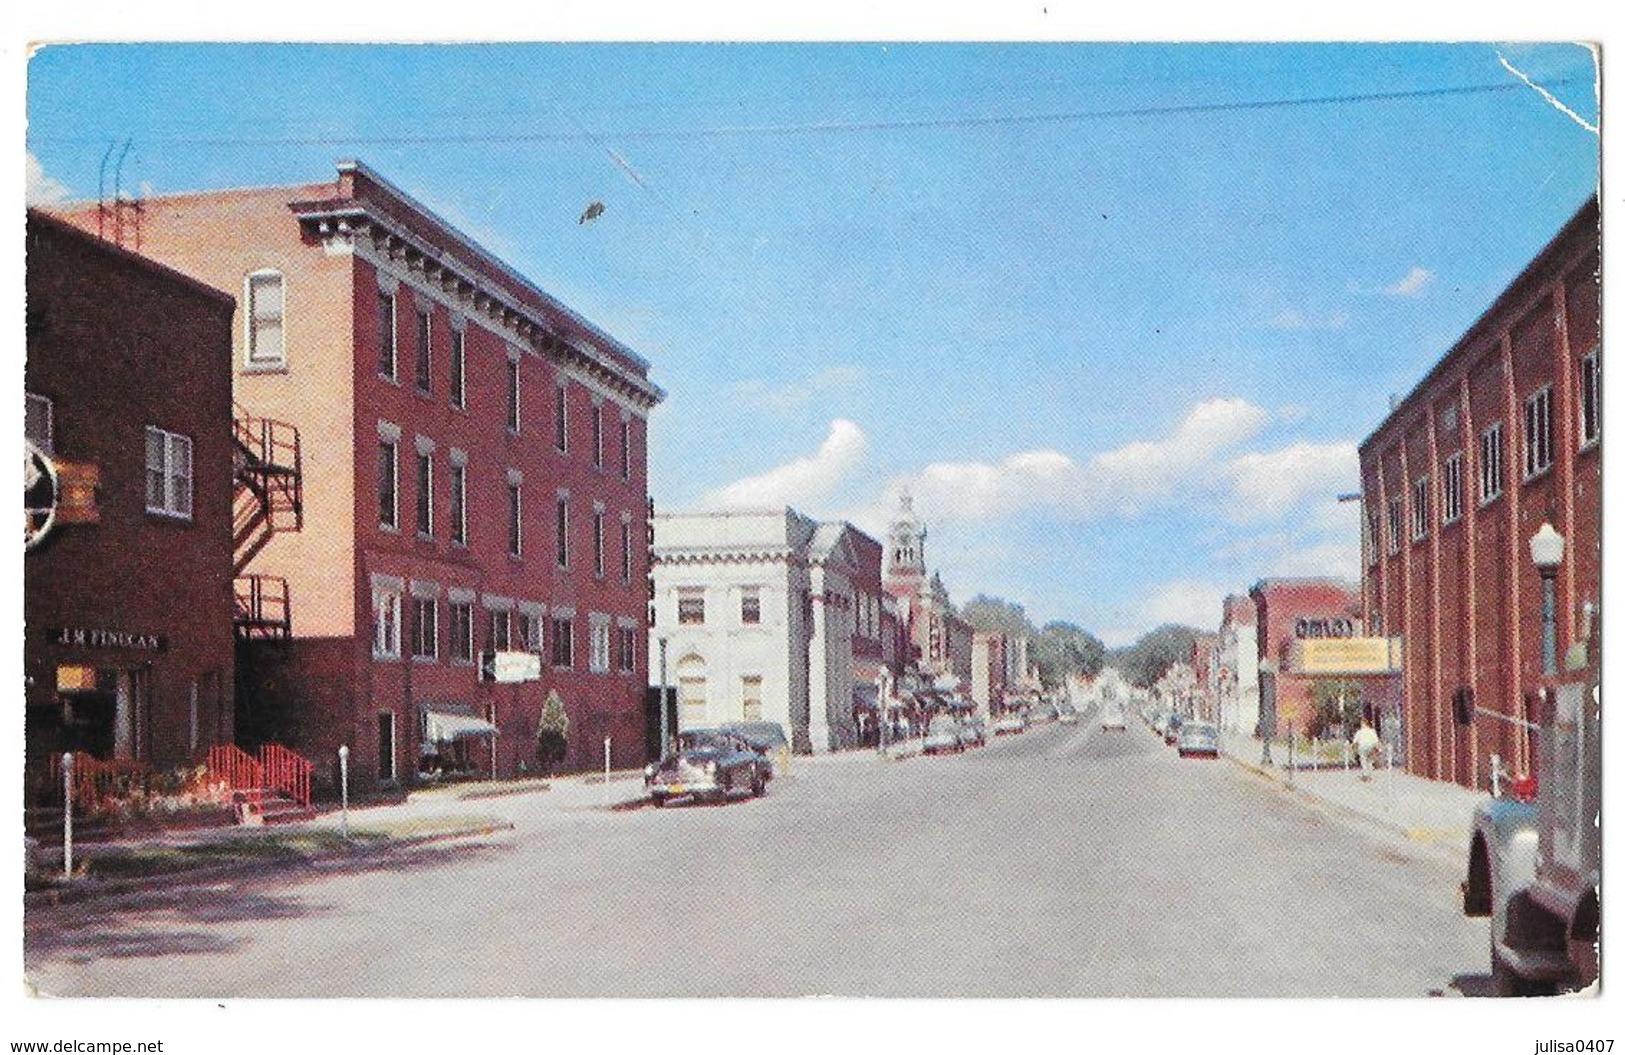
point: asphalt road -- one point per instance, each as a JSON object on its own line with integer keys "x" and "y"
{"x": 1066, "y": 861}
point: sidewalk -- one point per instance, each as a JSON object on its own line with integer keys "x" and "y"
{"x": 1430, "y": 812}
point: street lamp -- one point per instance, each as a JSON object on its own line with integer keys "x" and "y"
{"x": 665, "y": 733}
{"x": 1546, "y": 550}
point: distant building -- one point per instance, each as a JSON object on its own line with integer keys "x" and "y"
{"x": 768, "y": 615}
{"x": 474, "y": 463}
{"x": 127, "y": 585}
{"x": 1237, "y": 659}
{"x": 1204, "y": 671}
{"x": 940, "y": 639}
{"x": 1503, "y": 435}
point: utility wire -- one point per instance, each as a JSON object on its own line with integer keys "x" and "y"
{"x": 827, "y": 127}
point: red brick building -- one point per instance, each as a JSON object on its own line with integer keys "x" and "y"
{"x": 474, "y": 464}
{"x": 1290, "y": 612}
{"x": 127, "y": 651}
{"x": 1504, "y": 434}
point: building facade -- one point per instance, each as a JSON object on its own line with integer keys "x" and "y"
{"x": 768, "y": 615}
{"x": 1502, "y": 436}
{"x": 1298, "y": 620}
{"x": 1237, "y": 658}
{"x": 127, "y": 586}
{"x": 474, "y": 458}
{"x": 939, "y": 641}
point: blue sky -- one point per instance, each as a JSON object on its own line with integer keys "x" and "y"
{"x": 1116, "y": 314}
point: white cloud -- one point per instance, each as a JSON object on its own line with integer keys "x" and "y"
{"x": 803, "y": 482}
{"x": 42, "y": 189}
{"x": 1413, "y": 283}
{"x": 1123, "y": 480}
{"x": 1186, "y": 601}
{"x": 1269, "y": 484}
{"x": 792, "y": 394}
{"x": 1292, "y": 413}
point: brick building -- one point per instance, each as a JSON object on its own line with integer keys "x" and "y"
{"x": 1502, "y": 435}
{"x": 127, "y": 596}
{"x": 1311, "y": 629}
{"x": 937, "y": 640}
{"x": 474, "y": 458}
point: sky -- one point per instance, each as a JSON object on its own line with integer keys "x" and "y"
{"x": 1117, "y": 316}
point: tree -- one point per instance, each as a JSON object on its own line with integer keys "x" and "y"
{"x": 996, "y": 615}
{"x": 1150, "y": 657}
{"x": 1062, "y": 649}
{"x": 552, "y": 733}
{"x": 1335, "y": 703}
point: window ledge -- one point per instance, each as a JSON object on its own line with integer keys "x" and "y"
{"x": 1538, "y": 473}
{"x": 166, "y": 517}
{"x": 264, "y": 368}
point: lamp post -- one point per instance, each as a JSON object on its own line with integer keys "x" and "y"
{"x": 665, "y": 733}
{"x": 1546, "y": 550}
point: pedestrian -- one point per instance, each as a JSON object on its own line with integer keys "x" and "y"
{"x": 1365, "y": 744}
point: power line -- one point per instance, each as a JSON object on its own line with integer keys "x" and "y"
{"x": 829, "y": 127}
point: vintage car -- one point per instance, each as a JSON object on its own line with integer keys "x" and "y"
{"x": 708, "y": 764}
{"x": 1010, "y": 722}
{"x": 1199, "y": 738}
{"x": 767, "y": 738}
{"x": 943, "y": 734}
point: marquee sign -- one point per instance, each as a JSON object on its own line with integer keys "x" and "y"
{"x": 1327, "y": 626}
{"x": 1347, "y": 655}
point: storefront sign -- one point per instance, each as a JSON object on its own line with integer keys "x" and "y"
{"x": 1348, "y": 655}
{"x": 1332, "y": 626}
{"x": 90, "y": 637}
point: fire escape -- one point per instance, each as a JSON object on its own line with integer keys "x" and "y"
{"x": 269, "y": 499}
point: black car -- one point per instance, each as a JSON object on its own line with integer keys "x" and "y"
{"x": 708, "y": 764}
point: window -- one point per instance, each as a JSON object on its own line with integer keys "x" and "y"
{"x": 424, "y": 363}
{"x": 1451, "y": 498}
{"x": 750, "y": 606}
{"x": 386, "y": 335}
{"x": 39, "y": 423}
{"x": 561, "y": 421}
{"x": 561, "y": 529}
{"x": 1373, "y": 527}
{"x": 388, "y": 464}
{"x": 459, "y": 503}
{"x": 626, "y": 450}
{"x": 1537, "y": 433}
{"x": 425, "y": 627}
{"x": 530, "y": 631}
{"x": 626, "y": 549}
{"x": 386, "y": 623}
{"x": 1590, "y": 401}
{"x": 563, "y": 641}
{"x": 598, "y": 658}
{"x": 1396, "y": 523}
{"x": 750, "y": 698}
{"x": 459, "y": 370}
{"x": 1419, "y": 508}
{"x": 461, "y": 642}
{"x": 264, "y": 317}
{"x": 598, "y": 543}
{"x": 426, "y": 494}
{"x": 386, "y": 747}
{"x": 627, "y": 654}
{"x": 691, "y": 607}
{"x": 513, "y": 394}
{"x": 1489, "y": 464}
{"x": 169, "y": 473}
{"x": 501, "y": 636}
{"x": 597, "y": 435}
{"x": 515, "y": 519}
{"x": 691, "y": 691}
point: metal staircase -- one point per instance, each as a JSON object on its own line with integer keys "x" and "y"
{"x": 269, "y": 500}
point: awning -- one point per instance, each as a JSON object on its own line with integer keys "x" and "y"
{"x": 448, "y": 725}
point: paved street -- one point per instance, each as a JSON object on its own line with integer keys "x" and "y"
{"x": 1063, "y": 862}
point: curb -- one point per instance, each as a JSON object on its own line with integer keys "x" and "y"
{"x": 90, "y": 889}
{"x": 1429, "y": 838}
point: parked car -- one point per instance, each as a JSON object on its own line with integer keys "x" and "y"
{"x": 973, "y": 731}
{"x": 1199, "y": 738}
{"x": 767, "y": 738}
{"x": 708, "y": 764}
{"x": 1112, "y": 719}
{"x": 1068, "y": 714}
{"x": 1159, "y": 723}
{"x": 943, "y": 734}
{"x": 1009, "y": 722}
{"x": 1170, "y": 732}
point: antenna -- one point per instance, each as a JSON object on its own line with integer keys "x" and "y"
{"x": 101, "y": 192}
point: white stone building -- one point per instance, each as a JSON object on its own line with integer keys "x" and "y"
{"x": 1237, "y": 659}
{"x": 756, "y": 612}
